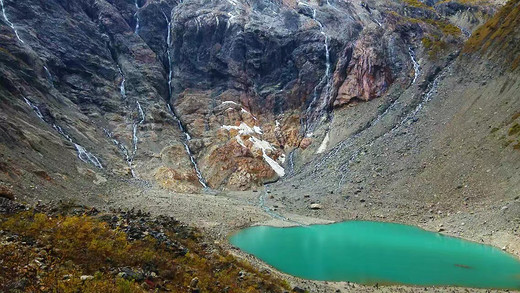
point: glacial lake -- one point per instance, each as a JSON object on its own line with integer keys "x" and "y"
{"x": 380, "y": 253}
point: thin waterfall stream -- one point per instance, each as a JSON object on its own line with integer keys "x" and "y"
{"x": 187, "y": 136}
{"x": 136, "y": 16}
{"x": 83, "y": 154}
{"x": 122, "y": 148}
{"x": 122, "y": 89}
{"x": 315, "y": 109}
{"x": 12, "y": 26}
{"x": 9, "y": 23}
{"x": 416, "y": 66}
{"x": 135, "y": 138}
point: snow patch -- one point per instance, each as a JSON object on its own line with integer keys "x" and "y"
{"x": 243, "y": 129}
{"x": 323, "y": 145}
{"x": 257, "y": 129}
{"x": 247, "y": 112}
{"x": 264, "y": 145}
{"x": 240, "y": 141}
{"x": 261, "y": 144}
{"x": 230, "y": 102}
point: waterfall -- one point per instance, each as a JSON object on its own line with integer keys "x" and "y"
{"x": 122, "y": 89}
{"x": 49, "y": 75}
{"x": 136, "y": 15}
{"x": 416, "y": 66}
{"x": 168, "y": 52}
{"x": 129, "y": 157}
{"x": 135, "y": 139}
{"x": 135, "y": 126}
{"x": 428, "y": 96}
{"x": 187, "y": 137}
{"x": 83, "y": 154}
{"x": 87, "y": 157}
{"x": 9, "y": 23}
{"x": 123, "y": 150}
{"x": 35, "y": 109}
{"x": 315, "y": 111}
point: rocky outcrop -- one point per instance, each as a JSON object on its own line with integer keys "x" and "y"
{"x": 367, "y": 75}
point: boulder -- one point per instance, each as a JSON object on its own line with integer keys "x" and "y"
{"x": 315, "y": 206}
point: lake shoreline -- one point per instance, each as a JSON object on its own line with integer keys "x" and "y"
{"x": 221, "y": 215}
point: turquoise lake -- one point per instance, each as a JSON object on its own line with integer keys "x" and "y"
{"x": 380, "y": 253}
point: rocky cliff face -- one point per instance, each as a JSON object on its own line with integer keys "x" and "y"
{"x": 200, "y": 93}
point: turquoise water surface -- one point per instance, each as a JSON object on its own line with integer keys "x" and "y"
{"x": 380, "y": 253}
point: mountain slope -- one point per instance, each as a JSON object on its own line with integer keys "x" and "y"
{"x": 197, "y": 93}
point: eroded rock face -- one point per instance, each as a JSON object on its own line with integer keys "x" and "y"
{"x": 248, "y": 80}
{"x": 368, "y": 75}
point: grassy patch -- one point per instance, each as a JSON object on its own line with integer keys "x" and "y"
{"x": 514, "y": 130}
{"x": 434, "y": 45}
{"x": 417, "y": 4}
{"x": 499, "y": 34}
{"x": 51, "y": 253}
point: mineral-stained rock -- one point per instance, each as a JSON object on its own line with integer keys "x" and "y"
{"x": 368, "y": 75}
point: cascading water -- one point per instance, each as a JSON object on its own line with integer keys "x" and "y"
{"x": 49, "y": 75}
{"x": 416, "y": 66}
{"x": 428, "y": 96}
{"x": 123, "y": 150}
{"x": 323, "y": 88}
{"x": 87, "y": 157}
{"x": 9, "y": 23}
{"x": 135, "y": 126}
{"x": 136, "y": 15}
{"x": 187, "y": 137}
{"x": 34, "y": 108}
{"x": 83, "y": 154}
{"x": 129, "y": 157}
{"x": 122, "y": 89}
{"x": 168, "y": 53}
